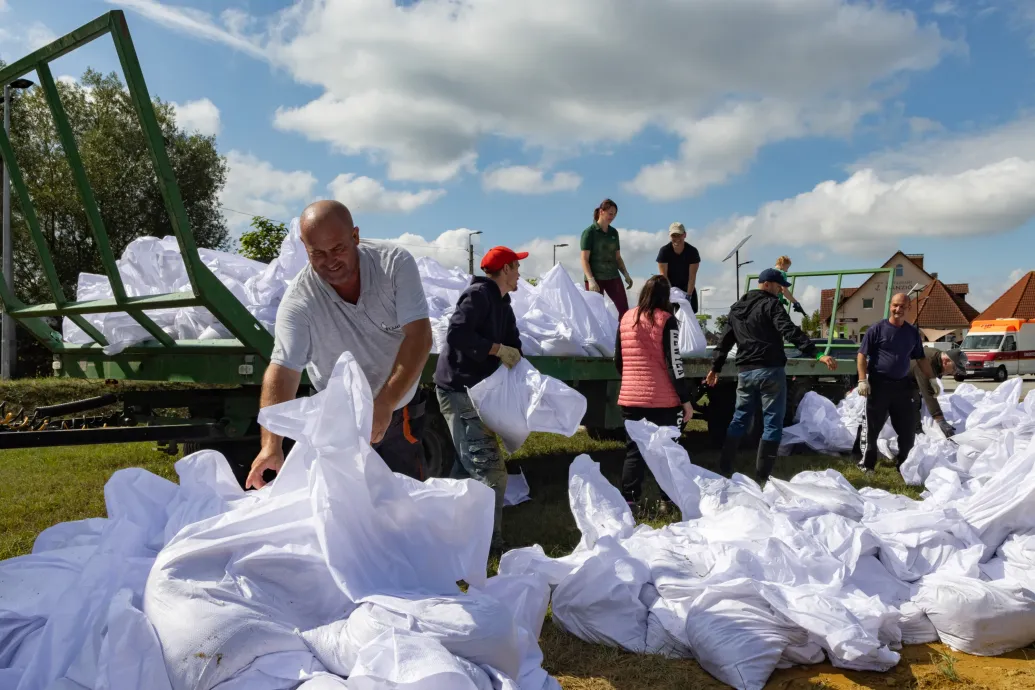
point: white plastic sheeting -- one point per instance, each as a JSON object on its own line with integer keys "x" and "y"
{"x": 339, "y": 574}
{"x": 803, "y": 570}
{"x": 555, "y": 317}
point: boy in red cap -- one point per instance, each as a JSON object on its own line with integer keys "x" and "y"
{"x": 482, "y": 334}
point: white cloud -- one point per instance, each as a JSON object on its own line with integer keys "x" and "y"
{"x": 201, "y": 116}
{"x": 366, "y": 195}
{"x": 418, "y": 87}
{"x": 923, "y": 125}
{"x": 255, "y": 187}
{"x": 945, "y": 8}
{"x": 18, "y": 40}
{"x": 4, "y": 6}
{"x": 522, "y": 179}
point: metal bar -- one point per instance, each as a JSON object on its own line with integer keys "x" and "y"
{"x": 86, "y": 437}
{"x": 833, "y": 315}
{"x": 887, "y": 300}
{"x": 29, "y": 216}
{"x": 52, "y": 51}
{"x": 93, "y": 214}
{"x": 83, "y": 405}
{"x": 107, "y": 306}
{"x": 846, "y": 272}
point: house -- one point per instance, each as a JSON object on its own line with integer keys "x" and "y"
{"x": 940, "y": 310}
{"x": 1016, "y": 303}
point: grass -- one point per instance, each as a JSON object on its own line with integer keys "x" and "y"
{"x": 40, "y": 487}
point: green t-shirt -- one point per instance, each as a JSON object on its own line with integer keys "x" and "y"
{"x": 603, "y": 250}
{"x": 783, "y": 300}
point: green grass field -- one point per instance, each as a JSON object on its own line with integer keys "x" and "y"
{"x": 40, "y": 487}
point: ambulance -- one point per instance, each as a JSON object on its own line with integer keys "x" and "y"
{"x": 1000, "y": 348}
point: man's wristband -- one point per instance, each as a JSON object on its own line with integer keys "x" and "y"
{"x": 819, "y": 356}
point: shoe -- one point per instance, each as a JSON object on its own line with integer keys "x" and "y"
{"x": 729, "y": 454}
{"x": 766, "y": 460}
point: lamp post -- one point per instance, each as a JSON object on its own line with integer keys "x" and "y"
{"x": 7, "y": 343}
{"x": 555, "y": 252}
{"x": 917, "y": 289}
{"x": 736, "y": 253}
{"x": 700, "y": 293}
{"x": 470, "y": 250}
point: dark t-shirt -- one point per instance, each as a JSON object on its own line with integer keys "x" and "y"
{"x": 891, "y": 349}
{"x": 679, "y": 264}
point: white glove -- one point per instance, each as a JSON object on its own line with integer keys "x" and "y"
{"x": 628, "y": 282}
{"x": 592, "y": 283}
{"x": 864, "y": 388}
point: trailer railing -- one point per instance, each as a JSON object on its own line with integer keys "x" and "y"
{"x": 250, "y": 336}
{"x": 830, "y": 344}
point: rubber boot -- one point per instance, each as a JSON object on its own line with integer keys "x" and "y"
{"x": 729, "y": 454}
{"x": 767, "y": 452}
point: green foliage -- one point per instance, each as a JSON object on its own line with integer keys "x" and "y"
{"x": 721, "y": 321}
{"x": 115, "y": 154}
{"x": 263, "y": 243}
{"x": 532, "y": 281}
{"x": 812, "y": 324}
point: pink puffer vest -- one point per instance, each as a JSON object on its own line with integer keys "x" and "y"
{"x": 645, "y": 379}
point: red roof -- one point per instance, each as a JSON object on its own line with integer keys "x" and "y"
{"x": 826, "y": 300}
{"x": 940, "y": 307}
{"x": 960, "y": 289}
{"x": 1016, "y": 303}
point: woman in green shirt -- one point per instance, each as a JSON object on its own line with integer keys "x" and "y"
{"x": 602, "y": 262}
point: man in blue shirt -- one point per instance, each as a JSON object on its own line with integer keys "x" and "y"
{"x": 887, "y": 351}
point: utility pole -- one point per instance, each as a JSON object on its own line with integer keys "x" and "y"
{"x": 470, "y": 250}
{"x": 8, "y": 356}
{"x": 736, "y": 253}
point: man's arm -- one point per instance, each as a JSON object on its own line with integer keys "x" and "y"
{"x": 860, "y": 365}
{"x": 726, "y": 343}
{"x": 462, "y": 334}
{"x": 513, "y": 336}
{"x": 663, "y": 269}
{"x": 409, "y": 363}
{"x": 693, "y": 278}
{"x": 279, "y": 384}
{"x": 925, "y": 368}
{"x": 790, "y": 331}
{"x": 923, "y": 381}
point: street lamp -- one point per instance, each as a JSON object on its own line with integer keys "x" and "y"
{"x": 736, "y": 253}
{"x": 700, "y": 293}
{"x": 470, "y": 250}
{"x": 917, "y": 289}
{"x": 555, "y": 252}
{"x": 7, "y": 343}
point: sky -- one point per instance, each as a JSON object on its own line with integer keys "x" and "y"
{"x": 833, "y": 132}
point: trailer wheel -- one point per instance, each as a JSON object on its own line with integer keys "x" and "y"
{"x": 239, "y": 455}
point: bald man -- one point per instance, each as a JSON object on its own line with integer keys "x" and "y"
{"x": 366, "y": 299}
{"x": 888, "y": 350}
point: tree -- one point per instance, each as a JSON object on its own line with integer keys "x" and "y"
{"x": 114, "y": 152}
{"x": 721, "y": 321}
{"x": 124, "y": 183}
{"x": 813, "y": 324}
{"x": 263, "y": 243}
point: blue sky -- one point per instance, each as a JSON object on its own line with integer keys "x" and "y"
{"x": 834, "y": 132}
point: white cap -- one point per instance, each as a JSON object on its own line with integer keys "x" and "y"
{"x": 676, "y": 229}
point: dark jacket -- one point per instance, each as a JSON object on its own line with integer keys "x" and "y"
{"x": 482, "y": 318}
{"x": 927, "y": 389}
{"x": 758, "y": 325}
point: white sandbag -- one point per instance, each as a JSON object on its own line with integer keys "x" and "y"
{"x": 819, "y": 426}
{"x": 403, "y": 661}
{"x": 598, "y": 507}
{"x": 692, "y": 342}
{"x": 558, "y": 297}
{"x": 517, "y": 491}
{"x": 517, "y": 401}
{"x": 976, "y": 617}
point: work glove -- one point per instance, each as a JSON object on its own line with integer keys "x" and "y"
{"x": 509, "y": 356}
{"x": 864, "y": 388}
{"x": 948, "y": 429}
{"x": 798, "y": 308}
{"x": 592, "y": 283}
{"x": 628, "y": 282}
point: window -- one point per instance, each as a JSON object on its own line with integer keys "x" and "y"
{"x": 899, "y": 270}
{"x": 1009, "y": 344}
{"x": 868, "y": 303}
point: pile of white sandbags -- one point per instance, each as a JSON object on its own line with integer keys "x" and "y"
{"x": 801, "y": 571}
{"x": 555, "y": 316}
{"x": 339, "y": 574}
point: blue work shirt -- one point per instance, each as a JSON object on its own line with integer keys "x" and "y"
{"x": 891, "y": 349}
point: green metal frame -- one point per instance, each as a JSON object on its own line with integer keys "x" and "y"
{"x": 837, "y": 294}
{"x": 251, "y": 339}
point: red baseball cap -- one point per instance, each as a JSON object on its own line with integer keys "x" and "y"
{"x": 498, "y": 257}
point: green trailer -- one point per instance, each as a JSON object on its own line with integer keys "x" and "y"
{"x": 223, "y": 402}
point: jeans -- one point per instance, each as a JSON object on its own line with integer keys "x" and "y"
{"x": 402, "y": 447}
{"x": 765, "y": 388}
{"x": 894, "y": 399}
{"x": 477, "y": 451}
{"x": 633, "y": 469}
{"x": 615, "y": 289}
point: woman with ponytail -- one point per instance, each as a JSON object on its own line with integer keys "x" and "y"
{"x": 602, "y": 262}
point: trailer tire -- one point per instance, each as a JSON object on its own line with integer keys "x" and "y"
{"x": 239, "y": 455}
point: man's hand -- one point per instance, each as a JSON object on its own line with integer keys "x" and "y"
{"x": 798, "y": 308}
{"x": 628, "y": 282}
{"x": 382, "y": 418}
{"x": 510, "y": 356}
{"x": 688, "y": 412}
{"x": 829, "y": 361}
{"x": 711, "y": 379}
{"x": 271, "y": 458}
{"x": 592, "y": 283}
{"x": 948, "y": 429}
{"x": 864, "y": 388}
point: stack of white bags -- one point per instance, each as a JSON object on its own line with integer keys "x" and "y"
{"x": 340, "y": 574}
{"x": 555, "y": 317}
